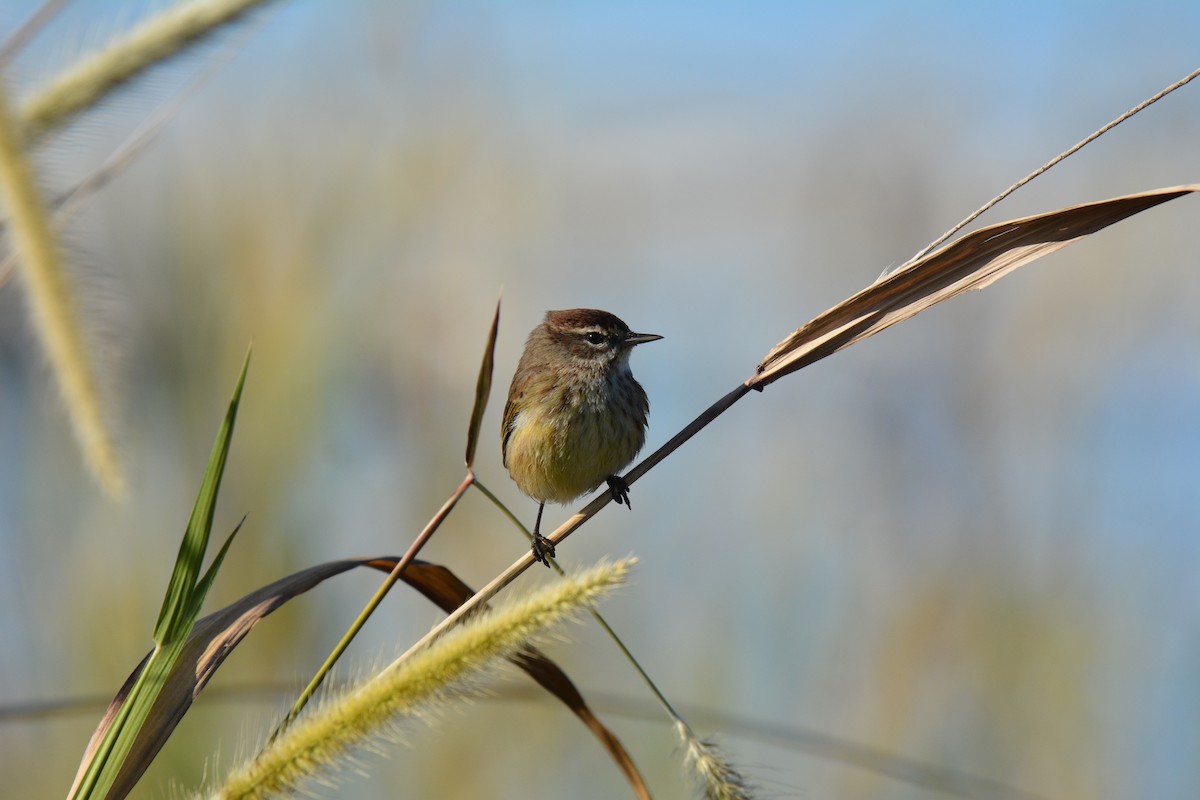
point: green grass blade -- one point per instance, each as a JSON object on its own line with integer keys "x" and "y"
{"x": 174, "y": 621}
{"x": 210, "y": 575}
{"x": 118, "y": 741}
{"x": 181, "y": 606}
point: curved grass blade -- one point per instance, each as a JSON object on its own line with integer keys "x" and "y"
{"x": 483, "y": 387}
{"x": 972, "y": 262}
{"x": 125, "y": 734}
{"x": 173, "y": 619}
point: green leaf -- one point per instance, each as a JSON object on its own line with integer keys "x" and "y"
{"x": 121, "y": 730}
{"x": 210, "y": 575}
{"x": 173, "y": 619}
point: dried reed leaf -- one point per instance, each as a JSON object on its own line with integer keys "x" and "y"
{"x": 483, "y": 387}
{"x": 551, "y": 678}
{"x": 972, "y": 262}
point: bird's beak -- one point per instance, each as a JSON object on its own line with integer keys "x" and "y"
{"x": 641, "y": 338}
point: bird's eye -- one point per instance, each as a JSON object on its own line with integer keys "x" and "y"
{"x": 594, "y": 337}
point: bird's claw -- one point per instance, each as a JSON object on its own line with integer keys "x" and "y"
{"x": 619, "y": 489}
{"x": 543, "y": 549}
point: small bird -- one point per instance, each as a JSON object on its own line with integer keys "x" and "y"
{"x": 575, "y": 416}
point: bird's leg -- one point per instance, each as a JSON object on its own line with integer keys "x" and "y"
{"x": 619, "y": 489}
{"x": 542, "y": 547}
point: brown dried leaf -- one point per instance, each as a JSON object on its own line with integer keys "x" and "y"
{"x": 554, "y": 680}
{"x": 972, "y": 262}
{"x": 483, "y": 387}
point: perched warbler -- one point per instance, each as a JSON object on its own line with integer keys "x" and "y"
{"x": 575, "y": 416}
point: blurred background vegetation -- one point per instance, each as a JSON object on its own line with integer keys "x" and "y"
{"x": 971, "y": 541}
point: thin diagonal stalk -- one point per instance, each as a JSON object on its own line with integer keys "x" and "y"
{"x": 929, "y": 248}
{"x": 498, "y": 503}
{"x": 482, "y": 390}
{"x": 374, "y": 602}
{"x": 32, "y": 25}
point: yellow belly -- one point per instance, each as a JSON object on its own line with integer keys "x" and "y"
{"x": 555, "y": 462}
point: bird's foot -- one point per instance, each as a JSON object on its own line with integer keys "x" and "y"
{"x": 542, "y": 548}
{"x": 619, "y": 489}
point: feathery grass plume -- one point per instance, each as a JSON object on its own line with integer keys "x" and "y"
{"x": 55, "y": 317}
{"x": 715, "y": 775}
{"x": 315, "y": 745}
{"x": 155, "y": 40}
